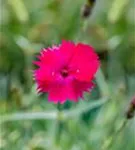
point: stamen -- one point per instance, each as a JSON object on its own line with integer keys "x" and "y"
{"x": 77, "y": 70}
{"x": 53, "y": 73}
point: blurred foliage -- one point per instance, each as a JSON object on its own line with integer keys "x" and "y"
{"x": 28, "y": 25}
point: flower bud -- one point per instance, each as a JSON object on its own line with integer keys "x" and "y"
{"x": 87, "y": 8}
{"x": 131, "y": 110}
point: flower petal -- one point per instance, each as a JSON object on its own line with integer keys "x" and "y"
{"x": 85, "y": 62}
{"x": 81, "y": 87}
{"x": 62, "y": 90}
{"x": 50, "y": 57}
{"x": 80, "y": 62}
{"x": 67, "y": 50}
{"x": 69, "y": 89}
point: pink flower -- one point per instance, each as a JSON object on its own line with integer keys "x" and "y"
{"x": 66, "y": 71}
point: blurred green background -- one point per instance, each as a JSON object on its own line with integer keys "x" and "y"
{"x": 28, "y": 121}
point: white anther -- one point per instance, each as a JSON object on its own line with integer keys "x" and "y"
{"x": 53, "y": 73}
{"x": 77, "y": 70}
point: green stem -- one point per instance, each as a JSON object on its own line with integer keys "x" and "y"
{"x": 108, "y": 144}
{"x": 59, "y": 125}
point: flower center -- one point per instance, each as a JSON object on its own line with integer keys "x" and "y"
{"x": 64, "y": 73}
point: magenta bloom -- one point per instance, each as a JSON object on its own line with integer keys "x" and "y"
{"x": 66, "y": 71}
